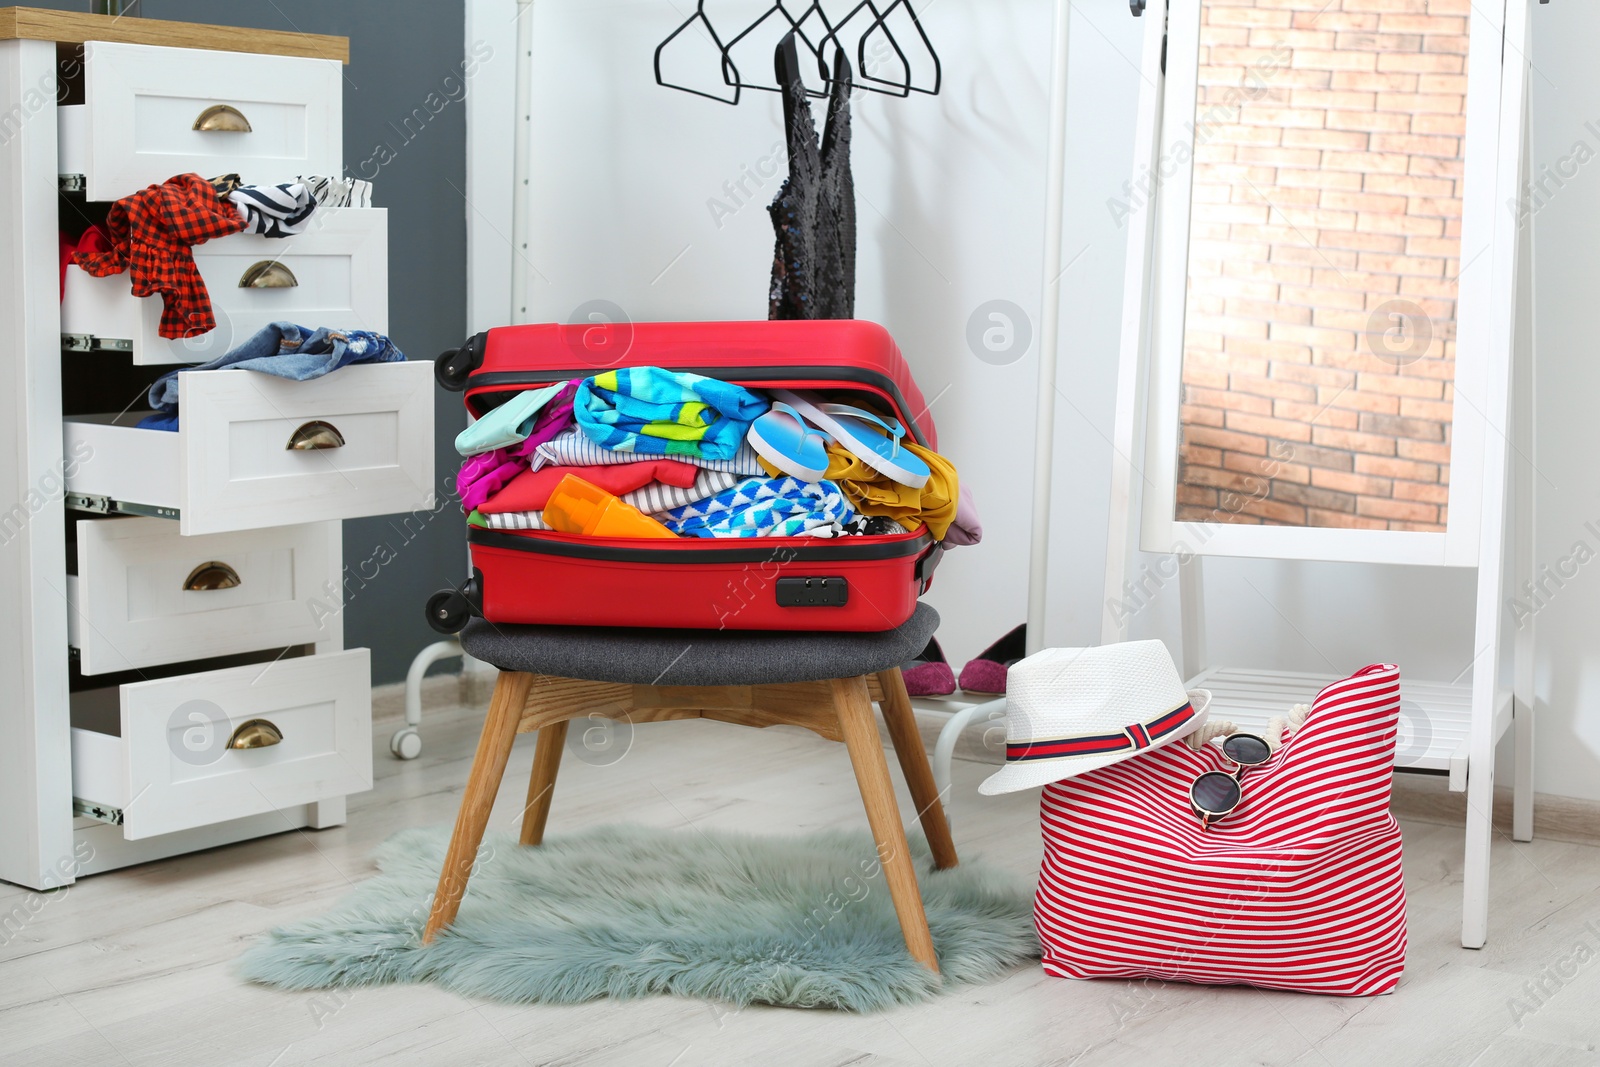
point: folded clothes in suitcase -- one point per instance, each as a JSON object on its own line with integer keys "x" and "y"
{"x": 852, "y": 583}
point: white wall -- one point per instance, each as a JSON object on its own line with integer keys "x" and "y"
{"x": 1566, "y": 102}
{"x": 950, "y": 193}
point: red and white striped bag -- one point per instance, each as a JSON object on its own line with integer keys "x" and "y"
{"x": 1298, "y": 888}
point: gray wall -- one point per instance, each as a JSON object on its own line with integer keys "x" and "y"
{"x": 399, "y": 55}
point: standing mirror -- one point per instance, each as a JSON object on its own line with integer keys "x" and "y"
{"x": 1329, "y": 266}
{"x": 1325, "y": 301}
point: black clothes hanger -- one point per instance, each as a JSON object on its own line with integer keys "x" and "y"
{"x": 879, "y": 30}
{"x": 868, "y": 29}
{"x": 795, "y": 35}
{"x": 708, "y": 32}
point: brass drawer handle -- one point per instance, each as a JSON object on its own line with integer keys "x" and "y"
{"x": 221, "y": 118}
{"x": 256, "y": 733}
{"x": 268, "y": 274}
{"x": 213, "y": 574}
{"x": 313, "y": 435}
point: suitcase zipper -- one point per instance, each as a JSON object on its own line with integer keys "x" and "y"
{"x": 796, "y": 377}
{"x": 822, "y": 550}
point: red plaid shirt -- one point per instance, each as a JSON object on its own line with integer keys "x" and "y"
{"x": 151, "y": 233}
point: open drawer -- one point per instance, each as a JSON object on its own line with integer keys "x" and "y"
{"x": 331, "y": 275}
{"x": 145, "y": 595}
{"x": 204, "y": 748}
{"x": 149, "y": 113}
{"x": 255, "y": 450}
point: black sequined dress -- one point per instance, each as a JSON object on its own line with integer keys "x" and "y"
{"x": 814, "y": 214}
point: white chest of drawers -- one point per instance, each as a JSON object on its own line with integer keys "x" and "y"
{"x": 221, "y": 539}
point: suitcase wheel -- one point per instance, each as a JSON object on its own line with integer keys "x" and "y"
{"x": 449, "y": 611}
{"x": 453, "y": 366}
{"x": 450, "y": 370}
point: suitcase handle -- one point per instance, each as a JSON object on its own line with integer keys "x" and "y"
{"x": 927, "y": 563}
{"x": 454, "y": 365}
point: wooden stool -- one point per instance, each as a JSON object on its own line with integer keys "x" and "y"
{"x": 743, "y": 678}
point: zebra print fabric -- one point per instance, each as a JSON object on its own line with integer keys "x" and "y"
{"x": 274, "y": 210}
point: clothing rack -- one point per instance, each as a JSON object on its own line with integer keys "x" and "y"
{"x": 865, "y": 28}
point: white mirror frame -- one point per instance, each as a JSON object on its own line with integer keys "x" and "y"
{"x": 1484, "y": 306}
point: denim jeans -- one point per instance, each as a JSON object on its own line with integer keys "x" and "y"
{"x": 281, "y": 349}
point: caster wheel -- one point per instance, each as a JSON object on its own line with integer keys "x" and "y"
{"x": 453, "y": 365}
{"x": 406, "y": 743}
{"x": 448, "y": 611}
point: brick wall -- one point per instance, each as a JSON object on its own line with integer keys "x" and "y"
{"x": 1320, "y": 342}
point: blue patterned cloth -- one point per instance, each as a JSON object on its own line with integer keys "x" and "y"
{"x": 762, "y": 507}
{"x": 666, "y": 413}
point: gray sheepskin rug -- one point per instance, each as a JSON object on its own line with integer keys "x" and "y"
{"x": 630, "y": 911}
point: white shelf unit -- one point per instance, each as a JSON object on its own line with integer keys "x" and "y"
{"x": 1435, "y": 717}
{"x": 103, "y": 776}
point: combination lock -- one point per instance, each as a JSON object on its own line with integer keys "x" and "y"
{"x": 812, "y": 592}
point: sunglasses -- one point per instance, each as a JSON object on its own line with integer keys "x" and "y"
{"x": 1217, "y": 793}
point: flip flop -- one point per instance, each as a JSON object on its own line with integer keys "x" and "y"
{"x": 782, "y": 438}
{"x": 985, "y": 673}
{"x": 857, "y": 430}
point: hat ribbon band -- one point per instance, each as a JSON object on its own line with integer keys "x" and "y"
{"x": 1137, "y": 736}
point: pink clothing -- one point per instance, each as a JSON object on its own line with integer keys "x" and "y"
{"x": 965, "y": 528}
{"x": 484, "y": 475}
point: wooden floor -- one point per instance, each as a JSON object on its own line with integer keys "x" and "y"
{"x": 133, "y": 967}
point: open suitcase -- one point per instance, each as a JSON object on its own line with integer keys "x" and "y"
{"x": 858, "y": 583}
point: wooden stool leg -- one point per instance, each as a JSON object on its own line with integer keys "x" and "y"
{"x": 902, "y": 722}
{"x": 859, "y": 727}
{"x": 488, "y": 766}
{"x": 542, "y": 782}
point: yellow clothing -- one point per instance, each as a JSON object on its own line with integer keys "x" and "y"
{"x": 874, "y": 493}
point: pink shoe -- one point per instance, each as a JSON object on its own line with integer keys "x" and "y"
{"x": 986, "y": 674}
{"x": 929, "y": 675}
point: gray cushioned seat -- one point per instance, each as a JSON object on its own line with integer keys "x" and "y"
{"x": 696, "y": 657}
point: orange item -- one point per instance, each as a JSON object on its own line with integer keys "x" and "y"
{"x": 580, "y": 507}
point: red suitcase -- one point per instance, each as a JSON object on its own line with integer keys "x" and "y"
{"x": 769, "y": 583}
